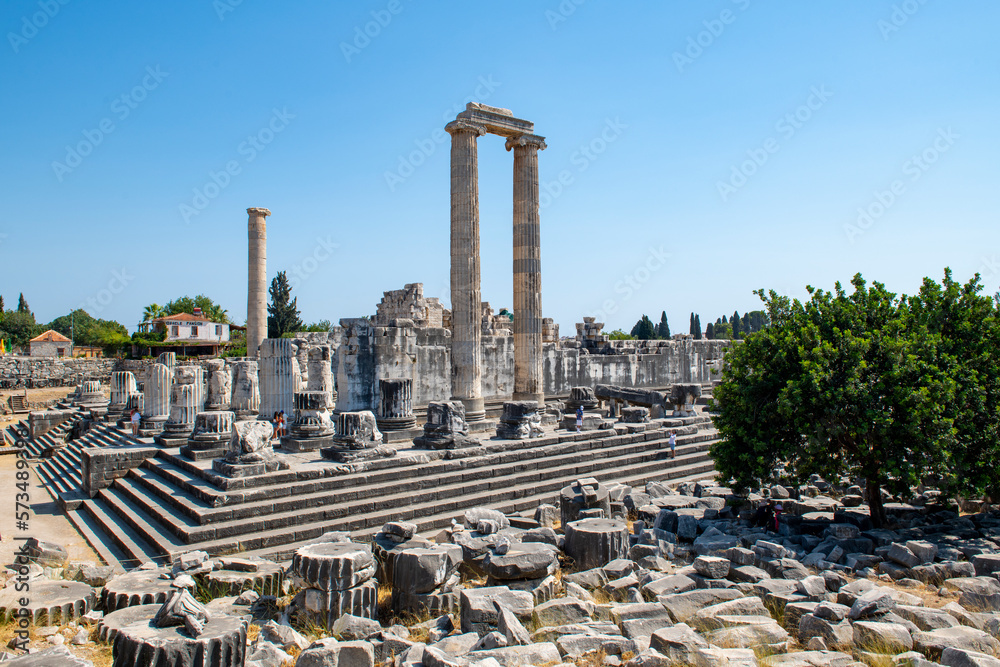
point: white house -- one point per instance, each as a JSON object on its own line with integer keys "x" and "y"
{"x": 196, "y": 332}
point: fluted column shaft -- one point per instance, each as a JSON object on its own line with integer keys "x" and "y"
{"x": 257, "y": 279}
{"x": 156, "y": 404}
{"x": 466, "y": 308}
{"x": 528, "y": 380}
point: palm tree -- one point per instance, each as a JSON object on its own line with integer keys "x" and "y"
{"x": 152, "y": 311}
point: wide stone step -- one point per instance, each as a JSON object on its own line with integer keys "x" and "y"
{"x": 136, "y": 550}
{"x": 406, "y": 505}
{"x": 231, "y": 521}
{"x": 145, "y": 524}
{"x": 99, "y": 540}
{"x": 187, "y": 474}
{"x": 435, "y": 521}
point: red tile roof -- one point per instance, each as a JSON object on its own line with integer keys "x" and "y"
{"x": 50, "y": 336}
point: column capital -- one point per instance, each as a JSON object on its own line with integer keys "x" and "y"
{"x": 526, "y": 140}
{"x": 456, "y": 126}
{"x": 259, "y": 211}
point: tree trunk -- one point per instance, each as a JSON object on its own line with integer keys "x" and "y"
{"x": 873, "y": 495}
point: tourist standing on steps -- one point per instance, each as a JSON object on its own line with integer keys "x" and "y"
{"x": 282, "y": 429}
{"x": 579, "y": 418}
{"x": 276, "y": 423}
{"x": 135, "y": 422}
{"x": 673, "y": 444}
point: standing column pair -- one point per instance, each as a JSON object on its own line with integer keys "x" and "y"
{"x": 466, "y": 298}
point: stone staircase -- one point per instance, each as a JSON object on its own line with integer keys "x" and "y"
{"x": 173, "y": 504}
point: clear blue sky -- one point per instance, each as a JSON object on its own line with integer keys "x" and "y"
{"x": 650, "y": 132}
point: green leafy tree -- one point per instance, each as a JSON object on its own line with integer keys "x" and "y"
{"x": 644, "y": 329}
{"x": 697, "y": 327}
{"x": 22, "y": 304}
{"x": 841, "y": 384}
{"x": 152, "y": 312}
{"x": 663, "y": 329}
{"x": 1, "y": 306}
{"x": 322, "y": 325}
{"x": 209, "y": 308}
{"x": 282, "y": 312}
{"x": 19, "y": 328}
{"x": 619, "y": 334}
{"x": 710, "y": 331}
{"x": 722, "y": 331}
{"x": 86, "y": 330}
{"x": 968, "y": 324}
{"x": 737, "y": 325}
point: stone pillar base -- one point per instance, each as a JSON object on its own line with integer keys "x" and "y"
{"x": 475, "y": 409}
{"x": 538, "y": 398}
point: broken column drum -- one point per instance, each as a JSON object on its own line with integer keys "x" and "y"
{"x": 90, "y": 392}
{"x": 245, "y": 397}
{"x": 168, "y": 359}
{"x": 683, "y": 397}
{"x": 256, "y": 279}
{"x": 519, "y": 421}
{"x": 185, "y": 399}
{"x": 122, "y": 387}
{"x": 582, "y": 397}
{"x": 319, "y": 371}
{"x": 156, "y": 404}
{"x": 220, "y": 385}
{"x": 357, "y": 430}
{"x": 278, "y": 371}
{"x": 212, "y": 429}
{"x": 584, "y": 495}
{"x": 395, "y": 409}
{"x": 445, "y": 427}
{"x": 312, "y": 415}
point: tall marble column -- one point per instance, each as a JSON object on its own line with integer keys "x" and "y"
{"x": 257, "y": 280}
{"x": 156, "y": 402}
{"x": 466, "y": 308}
{"x": 278, "y": 377}
{"x": 528, "y": 379}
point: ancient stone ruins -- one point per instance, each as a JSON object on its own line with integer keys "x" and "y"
{"x": 454, "y": 488}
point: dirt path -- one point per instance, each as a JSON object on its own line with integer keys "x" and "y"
{"x": 45, "y": 521}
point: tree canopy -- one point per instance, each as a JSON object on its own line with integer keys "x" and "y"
{"x": 186, "y": 304}
{"x": 898, "y": 391}
{"x": 282, "y": 312}
{"x": 87, "y": 330}
{"x": 644, "y": 329}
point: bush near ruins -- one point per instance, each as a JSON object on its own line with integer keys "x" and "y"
{"x": 895, "y": 390}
